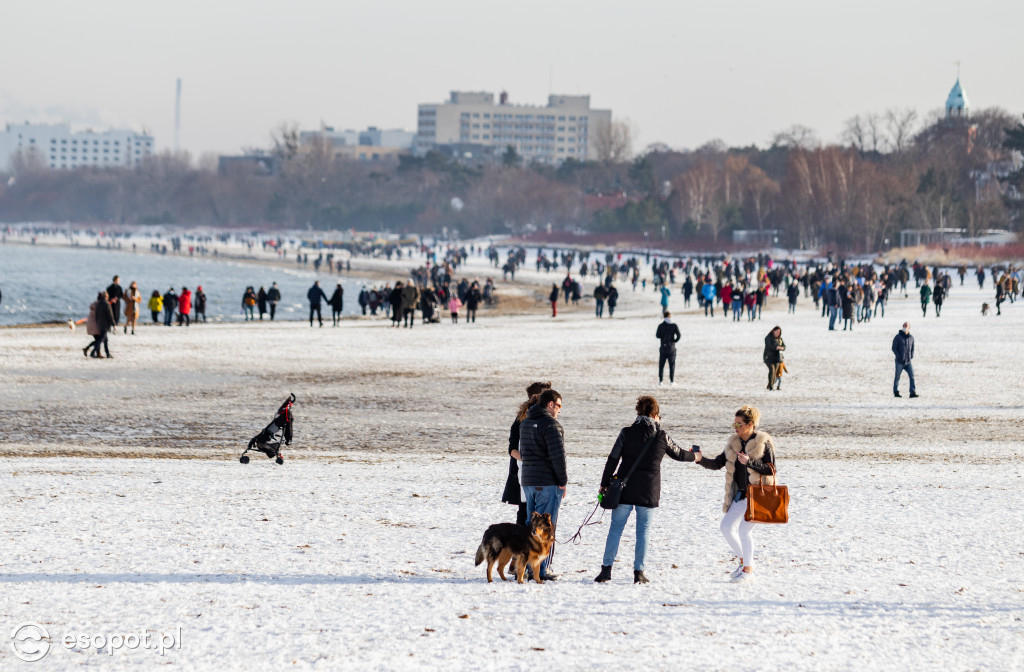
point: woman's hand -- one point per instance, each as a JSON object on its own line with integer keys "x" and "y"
{"x": 515, "y": 454}
{"x": 743, "y": 458}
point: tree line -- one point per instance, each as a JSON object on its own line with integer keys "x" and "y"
{"x": 882, "y": 177}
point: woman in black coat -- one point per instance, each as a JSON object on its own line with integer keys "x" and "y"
{"x": 513, "y": 491}
{"x": 643, "y": 487}
{"x": 104, "y": 323}
{"x": 846, "y": 300}
{"x": 337, "y": 302}
{"x": 774, "y": 346}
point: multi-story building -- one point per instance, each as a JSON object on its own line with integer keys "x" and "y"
{"x": 373, "y": 144}
{"x": 564, "y": 129}
{"x": 56, "y": 146}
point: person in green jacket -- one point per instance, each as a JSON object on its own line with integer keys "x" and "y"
{"x": 926, "y": 296}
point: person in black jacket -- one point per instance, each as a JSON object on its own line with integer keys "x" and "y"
{"x": 543, "y": 474}
{"x": 903, "y": 349}
{"x": 668, "y": 333}
{"x": 774, "y": 346}
{"x": 273, "y": 297}
{"x": 643, "y": 487}
{"x": 553, "y": 298}
{"x": 116, "y": 293}
{"x": 315, "y": 296}
{"x": 613, "y": 300}
{"x": 337, "y": 302}
{"x": 104, "y": 323}
{"x": 394, "y": 298}
{"x": 513, "y": 493}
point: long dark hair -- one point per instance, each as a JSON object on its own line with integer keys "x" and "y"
{"x": 533, "y": 392}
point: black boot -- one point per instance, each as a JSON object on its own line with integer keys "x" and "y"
{"x": 605, "y": 575}
{"x": 638, "y": 576}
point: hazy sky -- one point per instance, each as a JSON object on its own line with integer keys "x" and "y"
{"x": 683, "y": 72}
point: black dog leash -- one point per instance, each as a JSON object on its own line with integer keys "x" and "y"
{"x": 577, "y": 538}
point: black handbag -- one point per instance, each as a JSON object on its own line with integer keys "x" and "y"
{"x": 612, "y": 494}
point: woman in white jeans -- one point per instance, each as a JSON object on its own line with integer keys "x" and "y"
{"x": 753, "y": 450}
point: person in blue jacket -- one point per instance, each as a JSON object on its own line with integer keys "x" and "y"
{"x": 708, "y": 291}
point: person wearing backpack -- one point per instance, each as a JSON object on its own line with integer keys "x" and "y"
{"x": 636, "y": 456}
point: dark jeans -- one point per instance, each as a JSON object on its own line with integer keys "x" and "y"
{"x": 98, "y": 340}
{"x": 470, "y": 314}
{"x": 900, "y": 368}
{"x": 315, "y": 308}
{"x": 273, "y": 309}
{"x": 156, "y": 316}
{"x": 335, "y": 316}
{"x": 670, "y": 357}
{"x": 544, "y": 499}
{"x": 168, "y": 316}
{"x": 409, "y": 317}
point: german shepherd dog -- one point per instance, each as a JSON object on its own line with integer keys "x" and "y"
{"x": 528, "y": 544}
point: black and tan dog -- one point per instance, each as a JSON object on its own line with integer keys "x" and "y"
{"x": 528, "y": 544}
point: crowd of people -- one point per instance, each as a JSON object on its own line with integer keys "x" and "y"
{"x": 105, "y": 312}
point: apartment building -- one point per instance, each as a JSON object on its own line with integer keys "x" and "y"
{"x": 56, "y": 146}
{"x": 565, "y": 128}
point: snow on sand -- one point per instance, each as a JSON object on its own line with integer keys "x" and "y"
{"x": 902, "y": 551}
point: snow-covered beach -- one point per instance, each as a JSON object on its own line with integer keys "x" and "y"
{"x": 357, "y": 553}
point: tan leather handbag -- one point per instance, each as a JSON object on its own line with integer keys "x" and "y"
{"x": 767, "y": 503}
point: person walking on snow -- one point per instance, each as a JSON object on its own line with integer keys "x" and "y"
{"x": 668, "y": 334}
{"x": 903, "y": 349}
{"x": 316, "y": 296}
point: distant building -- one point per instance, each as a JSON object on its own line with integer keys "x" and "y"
{"x": 373, "y": 144}
{"x": 250, "y": 164}
{"x": 56, "y": 146}
{"x": 564, "y": 129}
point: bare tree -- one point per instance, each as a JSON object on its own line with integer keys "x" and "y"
{"x": 899, "y": 128}
{"x": 613, "y": 141}
{"x": 285, "y": 140}
{"x": 796, "y": 136}
{"x": 854, "y": 133}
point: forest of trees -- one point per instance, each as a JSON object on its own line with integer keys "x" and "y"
{"x": 889, "y": 173}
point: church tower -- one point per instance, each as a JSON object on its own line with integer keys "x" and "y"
{"x": 957, "y": 124}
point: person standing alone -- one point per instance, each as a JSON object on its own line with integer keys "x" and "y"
{"x": 668, "y": 333}
{"x": 773, "y": 357}
{"x": 903, "y": 348}
{"x": 273, "y": 297}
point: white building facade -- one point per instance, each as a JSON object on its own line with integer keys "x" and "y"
{"x": 57, "y": 147}
{"x": 564, "y": 129}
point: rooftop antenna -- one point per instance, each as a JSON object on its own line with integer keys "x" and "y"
{"x": 177, "y": 116}
{"x": 957, "y": 64}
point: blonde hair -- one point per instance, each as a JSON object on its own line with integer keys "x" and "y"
{"x": 749, "y": 414}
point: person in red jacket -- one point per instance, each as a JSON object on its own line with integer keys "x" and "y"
{"x": 184, "y": 306}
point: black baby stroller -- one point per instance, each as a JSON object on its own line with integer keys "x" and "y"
{"x": 269, "y": 440}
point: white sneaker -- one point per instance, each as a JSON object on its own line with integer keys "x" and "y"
{"x": 661, "y": 384}
{"x": 743, "y": 577}
{"x": 736, "y": 572}
{"x": 672, "y": 384}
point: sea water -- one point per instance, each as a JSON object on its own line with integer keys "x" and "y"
{"x": 54, "y": 284}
